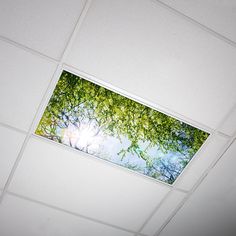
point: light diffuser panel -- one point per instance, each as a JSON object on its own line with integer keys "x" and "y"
{"x": 100, "y": 122}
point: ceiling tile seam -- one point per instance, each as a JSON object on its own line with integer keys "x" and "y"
{"x": 179, "y": 189}
{"x": 226, "y": 149}
{"x": 28, "y": 49}
{"x": 71, "y": 212}
{"x": 223, "y": 134}
{"x": 224, "y": 120}
{"x": 196, "y": 185}
{"x": 164, "y": 199}
{"x": 173, "y": 213}
{"x": 44, "y": 97}
{"x": 76, "y": 30}
{"x": 234, "y": 136}
{"x": 231, "y": 110}
{"x": 154, "y": 105}
{"x": 12, "y": 128}
{"x": 100, "y": 160}
{"x": 197, "y": 24}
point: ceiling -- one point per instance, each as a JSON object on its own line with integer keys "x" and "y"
{"x": 176, "y": 56}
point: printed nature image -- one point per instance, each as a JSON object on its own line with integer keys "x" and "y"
{"x": 95, "y": 120}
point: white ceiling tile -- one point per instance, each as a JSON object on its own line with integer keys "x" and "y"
{"x": 211, "y": 210}
{"x": 10, "y": 144}
{"x": 44, "y": 26}
{"x": 220, "y": 16}
{"x": 229, "y": 124}
{"x": 147, "y": 50}
{"x": 203, "y": 159}
{"x": 164, "y": 211}
{"x": 24, "y": 79}
{"x": 79, "y": 183}
{"x": 22, "y": 217}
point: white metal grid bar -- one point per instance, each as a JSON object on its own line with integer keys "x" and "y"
{"x": 27, "y": 49}
{"x": 196, "y": 23}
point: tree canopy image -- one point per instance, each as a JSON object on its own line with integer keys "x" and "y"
{"x": 95, "y": 120}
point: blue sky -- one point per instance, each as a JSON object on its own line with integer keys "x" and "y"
{"x": 107, "y": 147}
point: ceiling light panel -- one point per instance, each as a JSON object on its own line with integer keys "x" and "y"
{"x": 102, "y": 123}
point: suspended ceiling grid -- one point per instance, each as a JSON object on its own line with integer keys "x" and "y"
{"x": 176, "y": 56}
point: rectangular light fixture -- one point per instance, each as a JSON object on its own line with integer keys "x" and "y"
{"x": 100, "y": 122}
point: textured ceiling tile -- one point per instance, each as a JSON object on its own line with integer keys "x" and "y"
{"x": 22, "y": 217}
{"x": 220, "y": 16}
{"x": 44, "y": 26}
{"x": 24, "y": 79}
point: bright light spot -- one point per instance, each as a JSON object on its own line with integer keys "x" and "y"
{"x": 86, "y": 137}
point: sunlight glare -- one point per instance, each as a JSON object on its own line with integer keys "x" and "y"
{"x": 85, "y": 137}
